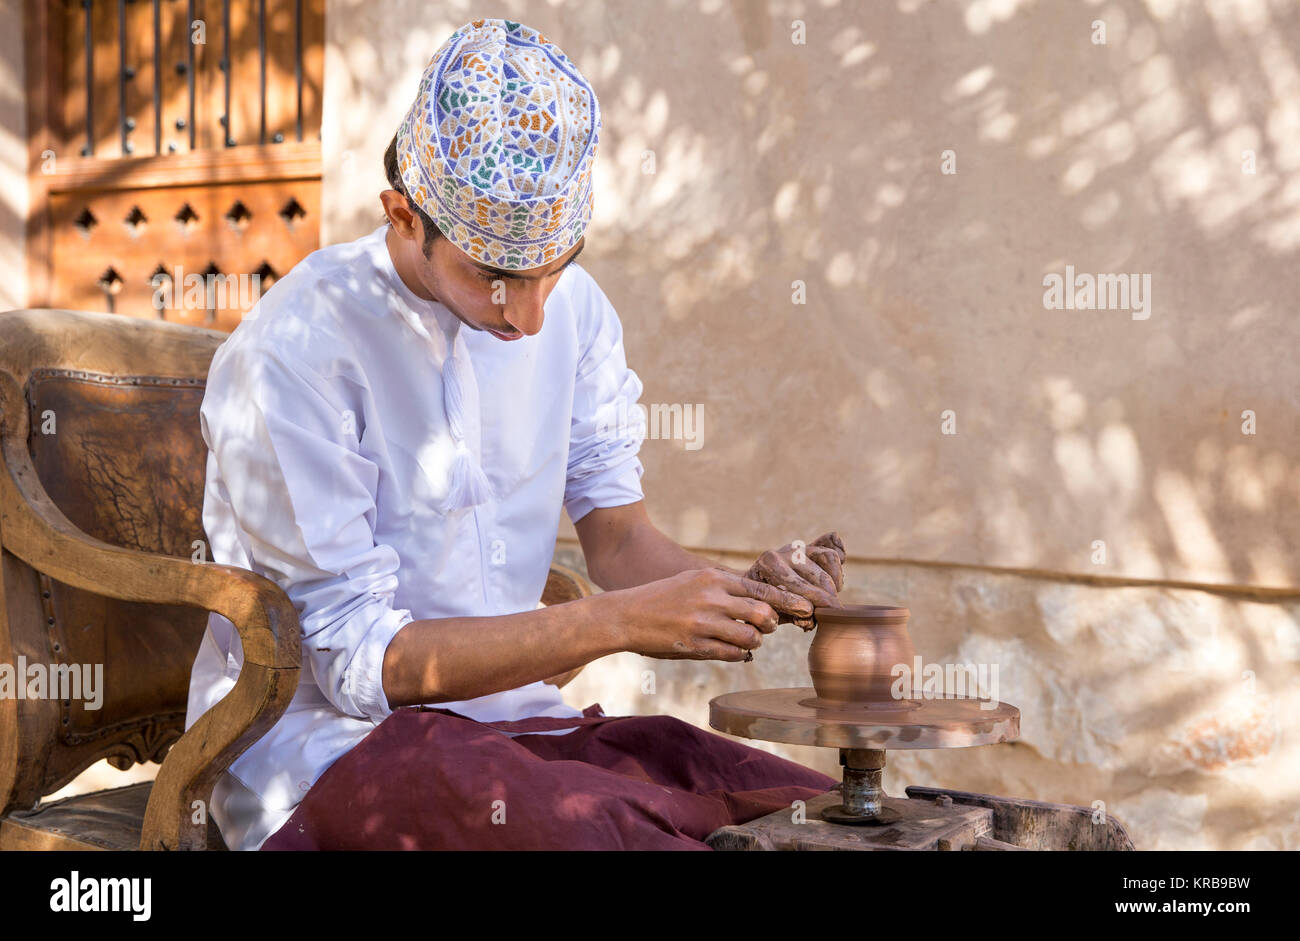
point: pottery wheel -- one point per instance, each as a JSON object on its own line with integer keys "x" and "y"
{"x": 797, "y": 716}
{"x": 850, "y": 706}
{"x": 862, "y": 731}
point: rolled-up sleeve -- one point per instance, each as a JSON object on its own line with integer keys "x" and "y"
{"x": 607, "y": 427}
{"x": 303, "y": 496}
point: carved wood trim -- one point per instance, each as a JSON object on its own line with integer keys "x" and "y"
{"x": 253, "y": 164}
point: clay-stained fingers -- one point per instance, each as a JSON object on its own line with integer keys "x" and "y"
{"x": 758, "y": 613}
{"x": 832, "y": 540}
{"x": 800, "y": 578}
{"x": 722, "y": 638}
{"x": 771, "y": 567}
{"x": 816, "y": 584}
{"x": 735, "y": 633}
{"x": 785, "y": 602}
{"x": 829, "y": 560}
{"x": 719, "y": 650}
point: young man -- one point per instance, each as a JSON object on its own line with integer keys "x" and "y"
{"x": 393, "y": 431}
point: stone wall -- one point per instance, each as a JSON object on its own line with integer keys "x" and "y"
{"x": 1174, "y": 707}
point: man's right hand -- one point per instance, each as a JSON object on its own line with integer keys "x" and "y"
{"x": 700, "y": 614}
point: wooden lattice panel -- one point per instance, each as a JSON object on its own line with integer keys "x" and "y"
{"x": 109, "y": 246}
{"x": 166, "y": 135}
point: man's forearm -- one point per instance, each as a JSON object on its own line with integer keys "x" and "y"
{"x": 454, "y": 659}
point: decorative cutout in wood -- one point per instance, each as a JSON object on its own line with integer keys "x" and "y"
{"x": 110, "y": 282}
{"x": 238, "y": 216}
{"x": 234, "y": 241}
{"x": 135, "y": 221}
{"x": 85, "y": 221}
{"x": 187, "y": 218}
{"x": 292, "y": 212}
{"x": 266, "y": 275}
{"x": 126, "y": 85}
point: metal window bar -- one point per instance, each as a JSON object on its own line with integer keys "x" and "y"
{"x": 89, "y": 149}
{"x": 189, "y": 41}
{"x": 297, "y": 61}
{"x": 157, "y": 78}
{"x": 124, "y": 122}
{"x": 226, "y": 67}
{"x": 261, "y": 55}
{"x": 121, "y": 76}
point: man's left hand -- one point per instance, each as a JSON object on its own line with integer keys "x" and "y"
{"x": 812, "y": 570}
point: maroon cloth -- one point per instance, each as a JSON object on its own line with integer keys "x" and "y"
{"x": 429, "y": 779}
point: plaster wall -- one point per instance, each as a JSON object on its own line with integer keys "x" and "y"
{"x": 13, "y": 160}
{"x": 774, "y": 224}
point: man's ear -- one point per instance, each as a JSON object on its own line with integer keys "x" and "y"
{"x": 400, "y": 215}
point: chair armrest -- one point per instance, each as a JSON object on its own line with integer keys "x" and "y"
{"x": 36, "y": 531}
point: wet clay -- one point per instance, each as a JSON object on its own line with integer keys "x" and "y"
{"x": 855, "y": 649}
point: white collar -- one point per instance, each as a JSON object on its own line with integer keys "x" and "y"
{"x": 440, "y": 328}
{"x": 421, "y": 314}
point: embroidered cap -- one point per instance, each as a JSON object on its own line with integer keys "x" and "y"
{"x": 499, "y": 146}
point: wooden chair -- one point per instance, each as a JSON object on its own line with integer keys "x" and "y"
{"x": 102, "y": 466}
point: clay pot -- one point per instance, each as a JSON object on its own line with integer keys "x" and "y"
{"x": 855, "y": 649}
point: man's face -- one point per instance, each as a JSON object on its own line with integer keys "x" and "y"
{"x": 507, "y": 304}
